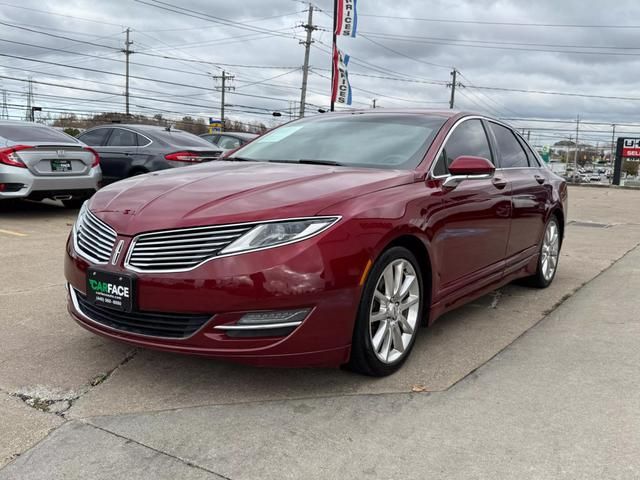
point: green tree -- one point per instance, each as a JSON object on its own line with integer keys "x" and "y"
{"x": 630, "y": 167}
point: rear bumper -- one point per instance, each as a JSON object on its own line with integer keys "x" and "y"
{"x": 23, "y": 184}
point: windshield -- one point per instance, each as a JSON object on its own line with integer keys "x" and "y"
{"x": 364, "y": 140}
{"x": 34, "y": 133}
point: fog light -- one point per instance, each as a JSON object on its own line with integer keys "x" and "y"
{"x": 274, "y": 323}
{"x": 277, "y": 317}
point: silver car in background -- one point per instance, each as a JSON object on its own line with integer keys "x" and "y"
{"x": 38, "y": 162}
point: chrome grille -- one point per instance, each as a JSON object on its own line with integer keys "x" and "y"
{"x": 94, "y": 238}
{"x": 181, "y": 249}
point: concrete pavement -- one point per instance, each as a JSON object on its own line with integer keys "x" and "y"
{"x": 240, "y": 422}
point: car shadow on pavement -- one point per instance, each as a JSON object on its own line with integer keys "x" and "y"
{"x": 454, "y": 346}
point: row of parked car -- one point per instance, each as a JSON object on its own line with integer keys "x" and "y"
{"x": 52, "y": 164}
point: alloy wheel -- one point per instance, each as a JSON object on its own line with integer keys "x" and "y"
{"x": 550, "y": 250}
{"x": 393, "y": 315}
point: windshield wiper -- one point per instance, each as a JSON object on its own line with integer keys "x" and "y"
{"x": 309, "y": 162}
{"x": 238, "y": 159}
{"x": 320, "y": 162}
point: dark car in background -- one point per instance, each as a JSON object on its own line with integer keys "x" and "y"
{"x": 38, "y": 162}
{"x": 229, "y": 140}
{"x": 128, "y": 150}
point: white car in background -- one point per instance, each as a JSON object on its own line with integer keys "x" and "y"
{"x": 38, "y": 162}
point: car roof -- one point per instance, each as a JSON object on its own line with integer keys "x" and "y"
{"x": 409, "y": 111}
{"x": 22, "y": 123}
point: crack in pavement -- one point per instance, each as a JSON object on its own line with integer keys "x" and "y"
{"x": 169, "y": 455}
{"x": 58, "y": 403}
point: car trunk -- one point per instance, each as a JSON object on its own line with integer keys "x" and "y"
{"x": 205, "y": 154}
{"x": 57, "y": 159}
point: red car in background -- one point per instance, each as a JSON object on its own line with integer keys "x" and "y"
{"x": 327, "y": 241}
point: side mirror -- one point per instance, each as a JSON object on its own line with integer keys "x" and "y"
{"x": 468, "y": 168}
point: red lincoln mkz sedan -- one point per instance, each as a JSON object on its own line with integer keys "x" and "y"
{"x": 327, "y": 241}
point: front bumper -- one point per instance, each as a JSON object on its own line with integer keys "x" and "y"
{"x": 25, "y": 184}
{"x": 312, "y": 274}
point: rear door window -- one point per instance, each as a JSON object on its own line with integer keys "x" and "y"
{"x": 511, "y": 152}
{"x": 95, "y": 138}
{"x": 34, "y": 133}
{"x": 469, "y": 138}
{"x": 121, "y": 137}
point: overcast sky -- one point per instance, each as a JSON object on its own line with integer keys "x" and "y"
{"x": 416, "y": 54}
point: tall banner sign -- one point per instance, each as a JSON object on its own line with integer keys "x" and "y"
{"x": 341, "y": 91}
{"x": 345, "y": 24}
{"x": 346, "y": 18}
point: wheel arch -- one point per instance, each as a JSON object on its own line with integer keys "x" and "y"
{"x": 416, "y": 246}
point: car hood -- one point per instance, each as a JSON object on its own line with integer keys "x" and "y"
{"x": 222, "y": 192}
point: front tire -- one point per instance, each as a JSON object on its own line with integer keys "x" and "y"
{"x": 389, "y": 315}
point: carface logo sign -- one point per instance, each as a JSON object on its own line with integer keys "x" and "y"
{"x": 109, "y": 288}
{"x": 631, "y": 148}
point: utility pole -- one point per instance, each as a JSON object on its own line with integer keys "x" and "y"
{"x": 127, "y": 52}
{"x": 5, "y": 110}
{"x": 374, "y": 103}
{"x": 29, "y": 113}
{"x": 613, "y": 143}
{"x": 223, "y": 89}
{"x": 309, "y": 27}
{"x": 575, "y": 156}
{"x": 454, "y": 74}
{"x": 528, "y": 135}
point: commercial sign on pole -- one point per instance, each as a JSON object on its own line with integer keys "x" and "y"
{"x": 215, "y": 125}
{"x": 627, "y": 148}
{"x": 631, "y": 147}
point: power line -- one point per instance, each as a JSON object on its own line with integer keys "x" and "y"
{"x": 510, "y": 24}
{"x": 498, "y": 47}
{"x": 181, "y": 10}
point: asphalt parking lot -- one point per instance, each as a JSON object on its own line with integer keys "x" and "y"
{"x": 520, "y": 384}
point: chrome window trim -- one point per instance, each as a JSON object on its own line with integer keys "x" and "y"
{"x": 128, "y": 266}
{"x": 81, "y": 253}
{"x": 456, "y": 125}
{"x": 78, "y": 311}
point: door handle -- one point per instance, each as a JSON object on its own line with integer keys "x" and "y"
{"x": 540, "y": 179}
{"x": 499, "y": 183}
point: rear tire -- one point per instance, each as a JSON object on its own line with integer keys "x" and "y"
{"x": 548, "y": 256}
{"x": 389, "y": 314}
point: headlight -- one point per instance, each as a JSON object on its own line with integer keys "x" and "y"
{"x": 279, "y": 233}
